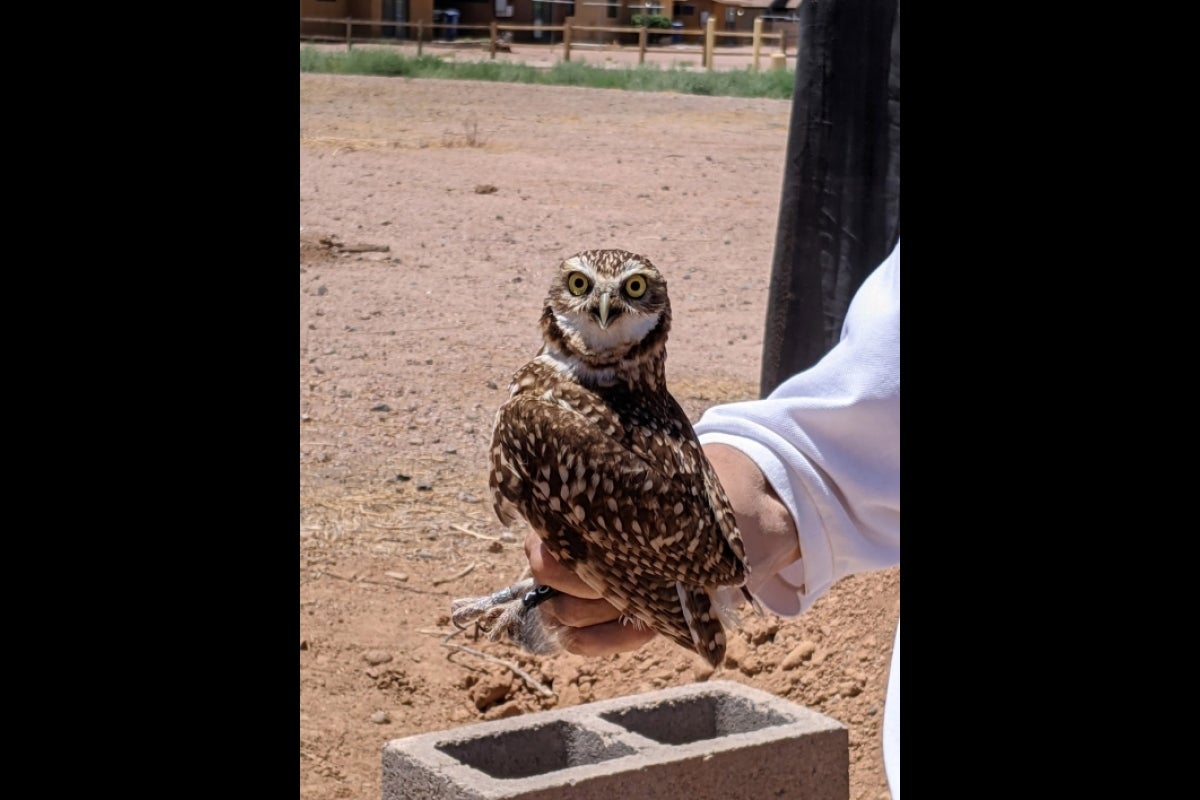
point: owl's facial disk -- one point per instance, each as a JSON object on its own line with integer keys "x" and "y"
{"x": 607, "y": 309}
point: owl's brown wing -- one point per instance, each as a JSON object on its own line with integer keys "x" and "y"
{"x": 648, "y": 531}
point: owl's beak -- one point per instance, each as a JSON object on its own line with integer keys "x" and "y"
{"x": 604, "y": 301}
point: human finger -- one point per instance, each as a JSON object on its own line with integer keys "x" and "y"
{"x": 576, "y": 612}
{"x": 605, "y": 639}
{"x": 548, "y": 572}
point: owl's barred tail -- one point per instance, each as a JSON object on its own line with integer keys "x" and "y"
{"x": 704, "y": 622}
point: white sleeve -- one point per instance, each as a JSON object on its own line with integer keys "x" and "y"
{"x": 828, "y": 440}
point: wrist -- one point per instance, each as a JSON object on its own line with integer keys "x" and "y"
{"x": 768, "y": 530}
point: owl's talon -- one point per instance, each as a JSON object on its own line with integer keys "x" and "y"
{"x": 484, "y": 611}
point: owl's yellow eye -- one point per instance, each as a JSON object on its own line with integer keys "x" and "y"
{"x": 577, "y": 283}
{"x": 636, "y": 286}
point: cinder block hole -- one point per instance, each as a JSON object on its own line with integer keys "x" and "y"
{"x": 534, "y": 751}
{"x": 694, "y": 719}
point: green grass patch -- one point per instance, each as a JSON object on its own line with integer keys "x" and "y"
{"x": 775, "y": 84}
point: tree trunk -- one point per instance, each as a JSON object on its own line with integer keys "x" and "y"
{"x": 839, "y": 213}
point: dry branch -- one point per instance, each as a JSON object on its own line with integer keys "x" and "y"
{"x": 470, "y": 532}
{"x": 529, "y": 679}
{"x": 455, "y": 576}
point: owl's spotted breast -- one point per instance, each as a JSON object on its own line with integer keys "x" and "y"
{"x": 615, "y": 483}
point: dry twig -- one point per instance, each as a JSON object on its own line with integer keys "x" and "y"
{"x": 470, "y": 532}
{"x": 529, "y": 679}
{"x": 455, "y": 576}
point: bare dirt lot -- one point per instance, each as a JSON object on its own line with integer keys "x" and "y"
{"x": 431, "y": 216}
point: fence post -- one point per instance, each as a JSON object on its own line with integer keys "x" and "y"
{"x": 642, "y": 44}
{"x": 756, "y": 42}
{"x": 494, "y": 30}
{"x": 420, "y": 36}
{"x": 566, "y": 41}
{"x": 756, "y": 47}
{"x": 710, "y": 40}
{"x": 348, "y": 26}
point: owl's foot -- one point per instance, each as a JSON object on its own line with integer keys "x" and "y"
{"x": 510, "y": 613}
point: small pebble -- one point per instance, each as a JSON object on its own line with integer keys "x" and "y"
{"x": 799, "y": 654}
{"x": 374, "y": 657}
{"x": 380, "y": 718}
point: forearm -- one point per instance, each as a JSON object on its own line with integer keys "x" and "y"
{"x": 827, "y": 441}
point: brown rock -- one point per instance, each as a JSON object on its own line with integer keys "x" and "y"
{"x": 569, "y": 695}
{"x": 798, "y": 655}
{"x": 503, "y": 711}
{"x": 490, "y": 690}
{"x": 374, "y": 657}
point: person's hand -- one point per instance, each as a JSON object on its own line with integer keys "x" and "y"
{"x": 591, "y": 626}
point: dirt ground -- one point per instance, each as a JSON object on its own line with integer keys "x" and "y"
{"x": 431, "y": 216}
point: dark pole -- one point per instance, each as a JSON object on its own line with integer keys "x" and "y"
{"x": 839, "y": 214}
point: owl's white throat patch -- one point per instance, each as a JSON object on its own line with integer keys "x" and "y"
{"x": 624, "y": 332}
{"x": 575, "y": 369}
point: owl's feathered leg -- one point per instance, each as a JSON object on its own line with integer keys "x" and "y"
{"x": 510, "y": 613}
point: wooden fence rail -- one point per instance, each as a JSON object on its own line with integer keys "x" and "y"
{"x": 707, "y": 50}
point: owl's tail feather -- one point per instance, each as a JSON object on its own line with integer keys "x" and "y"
{"x": 704, "y": 622}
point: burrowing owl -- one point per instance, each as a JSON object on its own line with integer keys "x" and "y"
{"x": 593, "y": 451}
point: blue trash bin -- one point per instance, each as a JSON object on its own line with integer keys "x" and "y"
{"x": 676, "y": 36}
{"x": 451, "y": 23}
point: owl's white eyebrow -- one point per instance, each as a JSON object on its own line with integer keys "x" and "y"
{"x": 630, "y": 266}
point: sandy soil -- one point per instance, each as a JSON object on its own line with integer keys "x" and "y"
{"x": 431, "y": 216}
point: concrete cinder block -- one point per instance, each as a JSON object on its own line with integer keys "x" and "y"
{"x": 720, "y": 740}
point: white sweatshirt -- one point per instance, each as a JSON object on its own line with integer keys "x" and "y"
{"x": 828, "y": 440}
